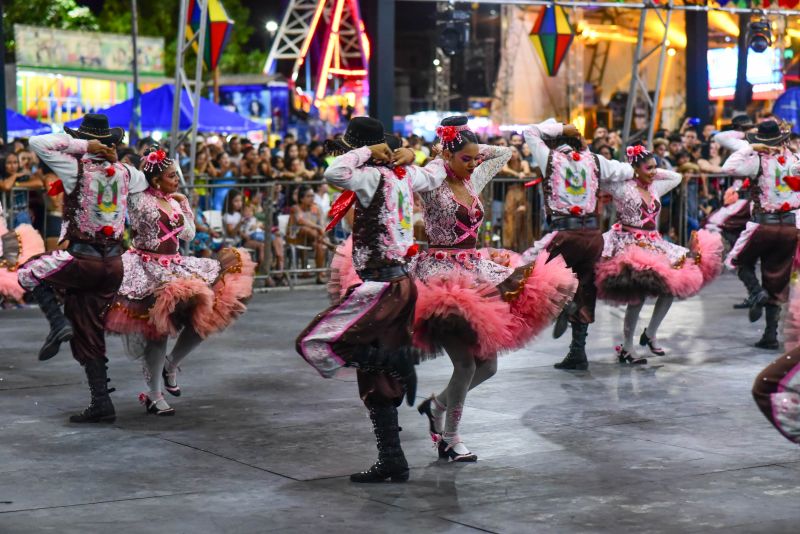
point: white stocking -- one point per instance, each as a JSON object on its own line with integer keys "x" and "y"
{"x": 629, "y": 326}
{"x": 155, "y": 353}
{"x": 659, "y": 313}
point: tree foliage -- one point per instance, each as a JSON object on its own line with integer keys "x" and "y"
{"x": 157, "y": 18}
{"x": 63, "y": 14}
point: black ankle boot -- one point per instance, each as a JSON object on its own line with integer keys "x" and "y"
{"x": 391, "y": 462}
{"x": 770, "y": 338}
{"x": 60, "y": 327}
{"x": 757, "y": 297}
{"x": 100, "y": 409}
{"x": 398, "y": 362}
{"x": 576, "y": 358}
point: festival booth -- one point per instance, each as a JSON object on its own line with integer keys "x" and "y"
{"x": 156, "y": 114}
{"x": 21, "y": 126}
{"x": 61, "y": 75}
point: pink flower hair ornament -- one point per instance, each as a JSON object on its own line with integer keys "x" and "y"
{"x": 156, "y": 160}
{"x": 637, "y": 153}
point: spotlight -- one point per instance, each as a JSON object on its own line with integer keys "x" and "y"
{"x": 759, "y": 36}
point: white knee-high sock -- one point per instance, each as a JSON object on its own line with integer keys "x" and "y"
{"x": 659, "y": 313}
{"x": 155, "y": 353}
{"x": 629, "y": 325}
{"x": 188, "y": 340}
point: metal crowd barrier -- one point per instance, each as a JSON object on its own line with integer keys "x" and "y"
{"x": 507, "y": 202}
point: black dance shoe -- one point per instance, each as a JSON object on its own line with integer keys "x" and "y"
{"x": 742, "y": 305}
{"x": 757, "y": 303}
{"x": 446, "y": 450}
{"x": 645, "y": 341}
{"x": 151, "y": 407}
{"x": 426, "y": 408}
{"x": 100, "y": 409}
{"x": 623, "y": 356}
{"x": 574, "y": 361}
{"x": 171, "y": 383}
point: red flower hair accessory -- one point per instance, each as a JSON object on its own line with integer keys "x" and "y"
{"x": 447, "y": 133}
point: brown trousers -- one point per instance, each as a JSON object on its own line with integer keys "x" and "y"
{"x": 388, "y": 324}
{"x": 777, "y": 393}
{"x": 775, "y": 245}
{"x": 89, "y": 284}
{"x": 581, "y": 249}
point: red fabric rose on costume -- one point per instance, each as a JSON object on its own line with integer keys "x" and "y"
{"x": 110, "y": 171}
{"x": 446, "y": 133}
{"x": 439, "y": 255}
{"x": 412, "y": 251}
{"x": 782, "y": 160}
{"x": 575, "y": 210}
{"x": 576, "y": 156}
{"x": 107, "y": 230}
{"x": 785, "y": 206}
{"x": 746, "y": 183}
{"x": 793, "y": 182}
{"x": 400, "y": 172}
{"x": 56, "y": 188}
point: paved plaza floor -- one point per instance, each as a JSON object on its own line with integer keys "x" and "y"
{"x": 261, "y": 443}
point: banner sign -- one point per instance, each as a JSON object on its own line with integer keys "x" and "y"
{"x": 91, "y": 52}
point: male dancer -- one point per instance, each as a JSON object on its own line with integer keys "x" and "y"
{"x": 771, "y": 235}
{"x": 90, "y": 270}
{"x": 731, "y": 219}
{"x": 370, "y": 329}
{"x": 572, "y": 177}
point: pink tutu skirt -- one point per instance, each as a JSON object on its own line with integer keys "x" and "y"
{"x": 486, "y": 298}
{"x": 640, "y": 264}
{"x": 158, "y": 298}
{"x": 18, "y": 246}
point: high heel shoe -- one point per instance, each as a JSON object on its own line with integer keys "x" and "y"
{"x": 447, "y": 450}
{"x": 152, "y": 405}
{"x": 171, "y": 383}
{"x": 426, "y": 408}
{"x": 645, "y": 341}
{"x": 623, "y": 356}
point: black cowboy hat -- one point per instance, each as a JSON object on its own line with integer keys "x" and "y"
{"x": 361, "y": 131}
{"x": 769, "y": 133}
{"x": 741, "y": 122}
{"x": 95, "y": 126}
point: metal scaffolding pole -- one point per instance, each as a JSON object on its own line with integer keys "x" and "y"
{"x": 638, "y": 87}
{"x": 182, "y": 82}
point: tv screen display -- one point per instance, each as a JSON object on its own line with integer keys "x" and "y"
{"x": 764, "y": 71}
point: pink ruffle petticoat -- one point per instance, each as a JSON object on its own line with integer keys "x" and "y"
{"x": 640, "y": 263}
{"x": 484, "y": 298}
{"x": 162, "y": 293}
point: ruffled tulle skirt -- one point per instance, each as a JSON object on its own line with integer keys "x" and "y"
{"x": 159, "y": 298}
{"x": 19, "y": 245}
{"x": 639, "y": 264}
{"x": 485, "y": 298}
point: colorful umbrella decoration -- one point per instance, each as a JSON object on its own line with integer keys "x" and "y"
{"x": 551, "y": 37}
{"x": 218, "y": 30}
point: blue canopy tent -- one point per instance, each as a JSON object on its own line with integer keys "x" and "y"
{"x": 156, "y": 114}
{"x": 19, "y": 125}
{"x": 787, "y": 107}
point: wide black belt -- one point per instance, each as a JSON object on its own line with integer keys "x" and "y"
{"x": 786, "y": 217}
{"x": 568, "y": 222}
{"x": 95, "y": 250}
{"x": 383, "y": 274}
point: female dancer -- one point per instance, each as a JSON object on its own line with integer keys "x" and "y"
{"x": 637, "y": 262}
{"x": 472, "y": 306}
{"x": 164, "y": 293}
{"x": 16, "y": 247}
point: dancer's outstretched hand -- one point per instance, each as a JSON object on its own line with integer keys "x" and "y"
{"x": 381, "y": 153}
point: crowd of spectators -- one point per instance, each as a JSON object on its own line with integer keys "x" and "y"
{"x": 250, "y": 194}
